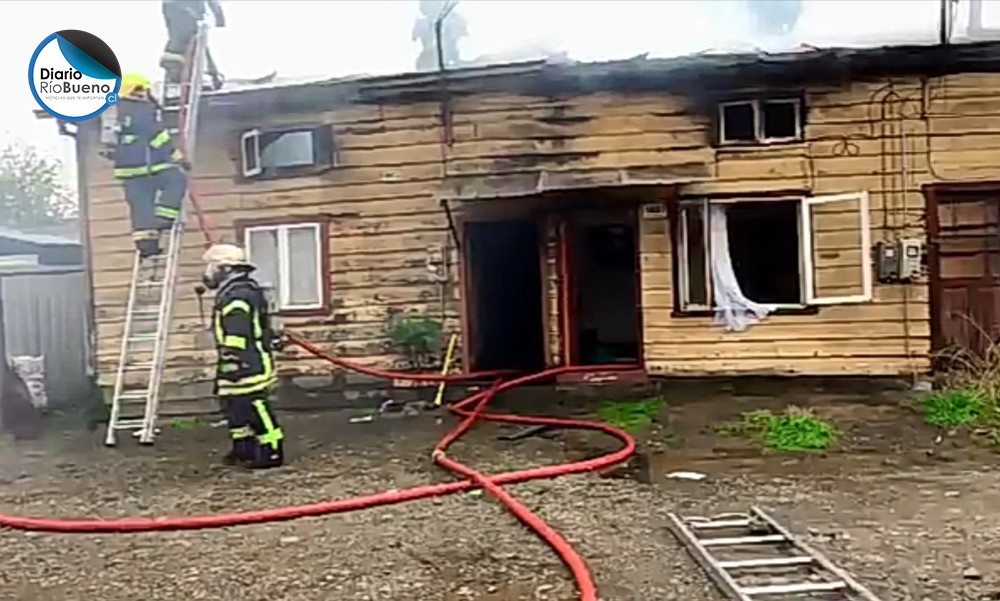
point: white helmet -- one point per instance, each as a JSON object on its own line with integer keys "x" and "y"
{"x": 219, "y": 259}
{"x": 228, "y": 255}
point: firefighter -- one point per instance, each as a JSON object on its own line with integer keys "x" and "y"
{"x": 149, "y": 165}
{"x": 245, "y": 373}
{"x": 182, "y": 18}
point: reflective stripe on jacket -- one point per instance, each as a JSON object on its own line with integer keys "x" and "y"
{"x": 145, "y": 145}
{"x": 243, "y": 338}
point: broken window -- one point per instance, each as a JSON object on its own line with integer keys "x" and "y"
{"x": 746, "y": 258}
{"x": 289, "y": 260}
{"x": 288, "y": 153}
{"x": 760, "y": 121}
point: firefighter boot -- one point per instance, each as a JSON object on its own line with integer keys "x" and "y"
{"x": 267, "y": 456}
{"x": 243, "y": 452}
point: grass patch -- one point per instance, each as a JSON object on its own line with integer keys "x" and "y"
{"x": 970, "y": 395}
{"x": 955, "y": 408}
{"x": 795, "y": 430}
{"x": 630, "y": 416}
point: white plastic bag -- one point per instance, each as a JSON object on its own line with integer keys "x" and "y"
{"x": 32, "y": 371}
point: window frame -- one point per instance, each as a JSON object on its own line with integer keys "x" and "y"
{"x": 809, "y": 302}
{"x": 324, "y": 152}
{"x": 321, "y": 225}
{"x": 760, "y": 139}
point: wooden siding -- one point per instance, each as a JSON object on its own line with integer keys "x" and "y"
{"x": 383, "y": 212}
{"x": 885, "y": 139}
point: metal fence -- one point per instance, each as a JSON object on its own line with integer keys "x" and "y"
{"x": 44, "y": 312}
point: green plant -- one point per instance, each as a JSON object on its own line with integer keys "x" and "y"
{"x": 954, "y": 408}
{"x": 417, "y": 338}
{"x": 794, "y": 430}
{"x": 630, "y": 416}
{"x": 970, "y": 395}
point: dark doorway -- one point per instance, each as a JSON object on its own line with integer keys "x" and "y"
{"x": 504, "y": 272}
{"x": 604, "y": 289}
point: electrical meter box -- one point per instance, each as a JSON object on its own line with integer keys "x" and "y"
{"x": 436, "y": 263}
{"x": 911, "y": 258}
{"x": 887, "y": 261}
{"x": 110, "y": 126}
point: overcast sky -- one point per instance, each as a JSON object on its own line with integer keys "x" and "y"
{"x": 341, "y": 37}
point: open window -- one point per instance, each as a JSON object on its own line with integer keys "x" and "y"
{"x": 765, "y": 121}
{"x": 286, "y": 153}
{"x": 780, "y": 254}
{"x": 290, "y": 259}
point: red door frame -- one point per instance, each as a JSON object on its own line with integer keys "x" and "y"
{"x": 568, "y": 308}
{"x": 468, "y": 290}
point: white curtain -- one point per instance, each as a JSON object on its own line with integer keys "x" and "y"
{"x": 733, "y": 310}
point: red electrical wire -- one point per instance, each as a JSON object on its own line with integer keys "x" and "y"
{"x": 492, "y": 484}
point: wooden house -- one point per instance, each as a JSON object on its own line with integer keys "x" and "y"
{"x": 564, "y": 214}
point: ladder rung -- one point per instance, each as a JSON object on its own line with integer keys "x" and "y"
{"x": 719, "y": 524}
{"x": 130, "y": 424}
{"x": 146, "y": 337}
{"x": 130, "y": 395}
{"x": 799, "y": 587}
{"x": 139, "y": 366}
{"x": 765, "y": 563}
{"x": 742, "y": 540}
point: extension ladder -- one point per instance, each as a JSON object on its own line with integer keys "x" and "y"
{"x": 150, "y": 306}
{"x": 791, "y": 569}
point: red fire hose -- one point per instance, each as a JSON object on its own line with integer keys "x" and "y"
{"x": 470, "y": 408}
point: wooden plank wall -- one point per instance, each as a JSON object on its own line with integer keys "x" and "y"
{"x": 381, "y": 207}
{"x": 383, "y": 216}
{"x": 885, "y": 139}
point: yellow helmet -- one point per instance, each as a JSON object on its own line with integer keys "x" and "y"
{"x": 135, "y": 86}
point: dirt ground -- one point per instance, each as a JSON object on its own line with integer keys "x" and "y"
{"x": 908, "y": 517}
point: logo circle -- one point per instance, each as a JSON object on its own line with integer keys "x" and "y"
{"x": 74, "y": 75}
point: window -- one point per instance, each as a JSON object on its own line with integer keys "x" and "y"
{"x": 760, "y": 121}
{"x": 786, "y": 253}
{"x": 289, "y": 260}
{"x": 287, "y": 153}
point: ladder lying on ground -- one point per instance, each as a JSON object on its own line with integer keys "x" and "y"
{"x": 791, "y": 568}
{"x": 150, "y": 306}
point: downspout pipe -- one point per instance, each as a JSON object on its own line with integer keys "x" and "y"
{"x": 81, "y": 135}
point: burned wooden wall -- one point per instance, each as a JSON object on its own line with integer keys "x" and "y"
{"x": 887, "y": 138}
{"x": 382, "y": 206}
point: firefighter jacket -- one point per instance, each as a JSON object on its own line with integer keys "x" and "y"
{"x": 145, "y": 145}
{"x": 243, "y": 337}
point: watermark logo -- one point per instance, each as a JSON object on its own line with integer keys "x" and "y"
{"x": 74, "y": 75}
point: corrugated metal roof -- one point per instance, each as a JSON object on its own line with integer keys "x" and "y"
{"x": 40, "y": 239}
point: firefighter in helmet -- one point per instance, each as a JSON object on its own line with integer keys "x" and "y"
{"x": 148, "y": 164}
{"x": 246, "y": 371}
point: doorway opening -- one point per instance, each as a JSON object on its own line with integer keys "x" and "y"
{"x": 504, "y": 273}
{"x": 603, "y": 289}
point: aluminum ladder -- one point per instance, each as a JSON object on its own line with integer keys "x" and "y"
{"x": 149, "y": 312}
{"x": 791, "y": 569}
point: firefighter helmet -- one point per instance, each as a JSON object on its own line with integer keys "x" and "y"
{"x": 135, "y": 86}
{"x": 227, "y": 255}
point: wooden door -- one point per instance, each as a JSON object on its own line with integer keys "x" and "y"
{"x": 964, "y": 265}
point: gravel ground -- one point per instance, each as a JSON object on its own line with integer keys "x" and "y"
{"x": 910, "y": 532}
